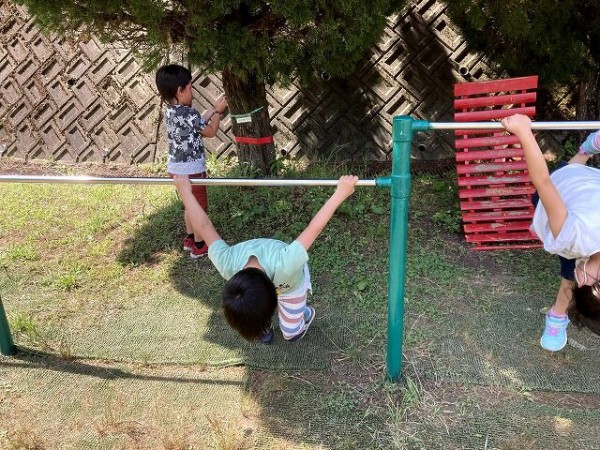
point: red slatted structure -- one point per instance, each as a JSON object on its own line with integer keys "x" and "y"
{"x": 493, "y": 183}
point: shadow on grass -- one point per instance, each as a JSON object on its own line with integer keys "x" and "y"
{"x": 30, "y": 358}
{"x": 207, "y": 339}
{"x": 161, "y": 231}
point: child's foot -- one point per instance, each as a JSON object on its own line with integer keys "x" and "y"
{"x": 555, "y": 333}
{"x": 309, "y": 316}
{"x": 188, "y": 243}
{"x": 267, "y": 336}
{"x": 198, "y": 252}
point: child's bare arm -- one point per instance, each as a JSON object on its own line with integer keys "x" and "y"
{"x": 201, "y": 224}
{"x": 580, "y": 158}
{"x": 344, "y": 190}
{"x": 213, "y": 117}
{"x": 556, "y": 209}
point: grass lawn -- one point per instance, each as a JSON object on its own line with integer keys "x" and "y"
{"x": 123, "y": 346}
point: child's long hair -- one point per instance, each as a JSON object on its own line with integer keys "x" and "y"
{"x": 584, "y": 310}
{"x": 249, "y": 301}
{"x": 169, "y": 78}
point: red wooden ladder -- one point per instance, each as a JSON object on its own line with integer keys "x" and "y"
{"x": 493, "y": 183}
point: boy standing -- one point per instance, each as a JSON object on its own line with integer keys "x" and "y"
{"x": 185, "y": 129}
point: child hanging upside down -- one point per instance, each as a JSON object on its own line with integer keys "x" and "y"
{"x": 567, "y": 221}
{"x": 264, "y": 274}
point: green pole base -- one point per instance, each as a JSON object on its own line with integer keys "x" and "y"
{"x": 7, "y": 346}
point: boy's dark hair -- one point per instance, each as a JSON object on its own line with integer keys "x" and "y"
{"x": 249, "y": 301}
{"x": 171, "y": 77}
{"x": 584, "y": 310}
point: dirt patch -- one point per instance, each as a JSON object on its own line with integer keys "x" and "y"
{"x": 451, "y": 393}
{"x": 11, "y": 166}
{"x": 571, "y": 400}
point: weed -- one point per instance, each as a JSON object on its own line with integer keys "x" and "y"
{"x": 45, "y": 337}
{"x": 22, "y": 440}
{"x": 24, "y": 324}
{"x": 227, "y": 436}
{"x": 449, "y": 219}
{"x": 342, "y": 402}
{"x": 65, "y": 348}
{"x": 176, "y": 443}
{"x": 25, "y": 252}
{"x": 71, "y": 279}
{"x": 411, "y": 394}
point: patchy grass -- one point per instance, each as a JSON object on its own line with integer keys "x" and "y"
{"x": 75, "y": 256}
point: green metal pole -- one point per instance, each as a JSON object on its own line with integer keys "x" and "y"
{"x": 402, "y": 133}
{"x": 7, "y": 347}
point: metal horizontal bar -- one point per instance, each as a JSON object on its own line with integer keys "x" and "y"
{"x": 565, "y": 125}
{"x": 84, "y": 179}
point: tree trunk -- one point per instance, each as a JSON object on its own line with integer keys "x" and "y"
{"x": 588, "y": 102}
{"x": 588, "y": 98}
{"x": 245, "y": 96}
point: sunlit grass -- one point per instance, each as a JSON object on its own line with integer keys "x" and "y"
{"x": 71, "y": 256}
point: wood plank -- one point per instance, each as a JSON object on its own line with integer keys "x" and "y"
{"x": 495, "y": 100}
{"x": 486, "y": 87}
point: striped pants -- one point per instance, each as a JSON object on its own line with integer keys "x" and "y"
{"x": 291, "y": 307}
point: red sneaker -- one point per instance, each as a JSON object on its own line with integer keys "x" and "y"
{"x": 198, "y": 252}
{"x": 188, "y": 244}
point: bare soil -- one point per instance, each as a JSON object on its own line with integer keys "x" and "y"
{"x": 12, "y": 166}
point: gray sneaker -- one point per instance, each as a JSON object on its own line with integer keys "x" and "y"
{"x": 309, "y": 316}
{"x": 267, "y": 336}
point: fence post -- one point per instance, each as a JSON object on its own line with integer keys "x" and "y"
{"x": 7, "y": 347}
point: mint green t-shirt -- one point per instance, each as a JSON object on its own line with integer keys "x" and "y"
{"x": 283, "y": 263}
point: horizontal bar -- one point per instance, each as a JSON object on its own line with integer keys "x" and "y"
{"x": 565, "y": 125}
{"x": 85, "y": 179}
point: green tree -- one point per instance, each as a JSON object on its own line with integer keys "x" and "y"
{"x": 557, "y": 40}
{"x": 251, "y": 43}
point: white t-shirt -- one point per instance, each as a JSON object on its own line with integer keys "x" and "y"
{"x": 579, "y": 238}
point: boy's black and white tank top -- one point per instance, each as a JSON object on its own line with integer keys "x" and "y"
{"x": 186, "y": 148}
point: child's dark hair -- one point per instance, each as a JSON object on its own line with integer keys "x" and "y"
{"x": 249, "y": 301}
{"x": 584, "y": 310}
{"x": 171, "y": 77}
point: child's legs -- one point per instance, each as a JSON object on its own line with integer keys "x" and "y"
{"x": 564, "y": 295}
{"x": 291, "y": 314}
{"x": 199, "y": 193}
